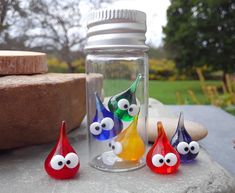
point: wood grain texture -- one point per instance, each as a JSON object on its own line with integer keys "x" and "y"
{"x": 22, "y": 62}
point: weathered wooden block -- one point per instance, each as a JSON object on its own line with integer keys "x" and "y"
{"x": 22, "y": 62}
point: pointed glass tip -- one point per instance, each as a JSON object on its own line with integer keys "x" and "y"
{"x": 136, "y": 83}
{"x": 99, "y": 104}
{"x": 181, "y": 121}
{"x": 63, "y": 128}
{"x": 136, "y": 118}
{"x": 160, "y": 128}
{"x": 97, "y": 99}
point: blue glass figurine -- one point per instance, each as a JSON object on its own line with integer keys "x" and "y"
{"x": 105, "y": 124}
{"x": 182, "y": 142}
{"x": 124, "y": 104}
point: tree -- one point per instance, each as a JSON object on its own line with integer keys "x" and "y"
{"x": 157, "y": 53}
{"x": 201, "y": 32}
{"x": 10, "y": 10}
{"x": 53, "y": 26}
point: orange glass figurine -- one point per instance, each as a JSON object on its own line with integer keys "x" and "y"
{"x": 63, "y": 161}
{"x": 128, "y": 145}
{"x": 162, "y": 158}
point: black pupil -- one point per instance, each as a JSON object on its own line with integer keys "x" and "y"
{"x": 131, "y": 109}
{"x": 192, "y": 148}
{"x": 186, "y": 149}
{"x": 97, "y": 128}
{"x": 110, "y": 144}
{"x": 161, "y": 161}
{"x": 113, "y": 147}
{"x": 68, "y": 162}
{"x": 60, "y": 163}
{"x": 103, "y": 125}
{"x": 168, "y": 160}
{"x": 125, "y": 106}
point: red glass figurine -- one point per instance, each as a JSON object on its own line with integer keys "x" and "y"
{"x": 63, "y": 161}
{"x": 162, "y": 158}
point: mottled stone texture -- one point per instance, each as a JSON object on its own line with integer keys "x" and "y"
{"x": 32, "y": 107}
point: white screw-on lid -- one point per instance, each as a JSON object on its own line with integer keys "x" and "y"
{"x": 116, "y": 29}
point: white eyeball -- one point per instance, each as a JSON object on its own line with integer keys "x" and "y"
{"x": 170, "y": 159}
{"x": 194, "y": 147}
{"x": 95, "y": 128}
{"x": 133, "y": 110}
{"x": 57, "y": 162}
{"x": 116, "y": 147}
{"x": 158, "y": 160}
{"x": 183, "y": 148}
{"x": 107, "y": 123}
{"x": 71, "y": 160}
{"x": 123, "y": 104}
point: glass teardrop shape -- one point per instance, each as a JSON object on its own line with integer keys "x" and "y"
{"x": 128, "y": 144}
{"x": 182, "y": 142}
{"x": 62, "y": 162}
{"x": 162, "y": 158}
{"x": 124, "y": 104}
{"x": 105, "y": 124}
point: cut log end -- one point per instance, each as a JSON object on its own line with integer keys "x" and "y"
{"x": 22, "y": 62}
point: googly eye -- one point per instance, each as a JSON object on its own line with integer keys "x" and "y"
{"x": 123, "y": 104}
{"x": 170, "y": 159}
{"x": 71, "y": 160}
{"x": 57, "y": 162}
{"x": 95, "y": 128}
{"x": 194, "y": 147}
{"x": 111, "y": 143}
{"x": 183, "y": 148}
{"x": 158, "y": 160}
{"x": 117, "y": 147}
{"x": 133, "y": 110}
{"x": 107, "y": 123}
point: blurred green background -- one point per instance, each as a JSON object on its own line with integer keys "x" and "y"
{"x": 193, "y": 64}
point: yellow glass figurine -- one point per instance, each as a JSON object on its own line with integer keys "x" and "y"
{"x": 128, "y": 145}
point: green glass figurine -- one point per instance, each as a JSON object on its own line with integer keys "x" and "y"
{"x": 124, "y": 105}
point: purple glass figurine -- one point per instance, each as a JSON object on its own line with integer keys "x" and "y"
{"x": 105, "y": 124}
{"x": 182, "y": 142}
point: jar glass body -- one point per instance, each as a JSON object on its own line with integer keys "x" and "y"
{"x": 117, "y": 141}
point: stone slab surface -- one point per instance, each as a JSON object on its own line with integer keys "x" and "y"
{"x": 21, "y": 170}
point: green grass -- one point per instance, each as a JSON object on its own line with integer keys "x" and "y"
{"x": 113, "y": 86}
{"x": 164, "y": 91}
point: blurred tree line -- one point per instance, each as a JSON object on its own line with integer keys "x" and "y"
{"x": 52, "y": 26}
{"x": 201, "y": 33}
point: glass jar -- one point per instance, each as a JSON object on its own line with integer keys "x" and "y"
{"x": 117, "y": 89}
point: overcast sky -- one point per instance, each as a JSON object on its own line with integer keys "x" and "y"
{"x": 156, "y": 16}
{"x": 155, "y": 10}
